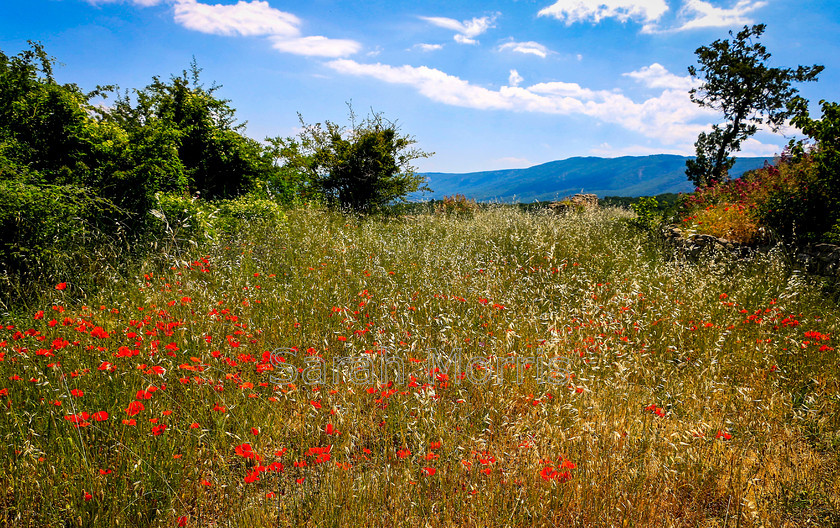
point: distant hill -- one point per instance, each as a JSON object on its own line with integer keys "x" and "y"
{"x": 625, "y": 176}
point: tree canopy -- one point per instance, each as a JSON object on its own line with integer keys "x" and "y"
{"x": 361, "y": 168}
{"x": 738, "y": 83}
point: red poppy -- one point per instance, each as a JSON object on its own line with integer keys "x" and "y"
{"x": 61, "y": 286}
{"x": 100, "y": 416}
{"x": 134, "y": 408}
{"x": 429, "y": 471}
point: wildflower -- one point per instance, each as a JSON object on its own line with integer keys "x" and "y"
{"x": 134, "y": 408}
{"x": 61, "y": 286}
{"x": 429, "y": 471}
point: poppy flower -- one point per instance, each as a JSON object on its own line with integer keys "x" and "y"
{"x": 725, "y": 436}
{"x": 61, "y": 286}
{"x": 134, "y": 408}
{"x": 429, "y": 471}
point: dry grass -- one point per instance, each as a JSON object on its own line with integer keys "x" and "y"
{"x": 682, "y": 394}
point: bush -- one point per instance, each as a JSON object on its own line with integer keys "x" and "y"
{"x": 728, "y": 221}
{"x": 647, "y": 212}
{"x": 180, "y": 221}
{"x": 234, "y": 216}
{"x": 50, "y": 233}
{"x": 457, "y": 205}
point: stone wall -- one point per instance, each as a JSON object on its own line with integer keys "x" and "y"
{"x": 821, "y": 259}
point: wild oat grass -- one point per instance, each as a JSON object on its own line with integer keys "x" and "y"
{"x": 623, "y": 387}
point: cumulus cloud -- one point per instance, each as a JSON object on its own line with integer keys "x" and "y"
{"x": 571, "y": 11}
{"x": 243, "y": 18}
{"x": 669, "y": 117}
{"x": 529, "y": 48}
{"x": 702, "y": 14}
{"x": 258, "y": 18}
{"x": 514, "y": 79}
{"x": 657, "y": 76}
{"x": 754, "y": 147}
{"x": 464, "y": 31}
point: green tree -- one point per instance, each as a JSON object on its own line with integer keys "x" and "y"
{"x": 361, "y": 168}
{"x": 188, "y": 140}
{"x": 738, "y": 83}
{"x": 812, "y": 213}
{"x": 47, "y": 132}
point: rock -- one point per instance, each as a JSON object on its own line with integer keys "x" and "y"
{"x": 578, "y": 201}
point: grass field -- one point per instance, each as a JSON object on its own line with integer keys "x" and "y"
{"x": 501, "y": 369}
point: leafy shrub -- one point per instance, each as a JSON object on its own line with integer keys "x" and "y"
{"x": 647, "y": 212}
{"x": 233, "y": 216}
{"x": 50, "y": 233}
{"x": 729, "y": 221}
{"x": 179, "y": 220}
{"x": 457, "y": 205}
{"x": 762, "y": 204}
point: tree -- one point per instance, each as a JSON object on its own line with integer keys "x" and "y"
{"x": 361, "y": 168}
{"x": 738, "y": 83}
{"x": 189, "y": 140}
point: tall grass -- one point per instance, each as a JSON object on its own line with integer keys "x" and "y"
{"x": 672, "y": 393}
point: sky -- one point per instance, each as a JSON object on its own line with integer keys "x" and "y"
{"x": 485, "y": 85}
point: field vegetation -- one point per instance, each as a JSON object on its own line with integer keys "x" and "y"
{"x": 594, "y": 381}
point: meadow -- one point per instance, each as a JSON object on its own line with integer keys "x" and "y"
{"x": 559, "y": 370}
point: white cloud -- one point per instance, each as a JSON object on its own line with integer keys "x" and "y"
{"x": 702, "y": 14}
{"x": 754, "y": 147}
{"x": 258, "y": 18}
{"x": 466, "y": 30}
{"x": 606, "y": 150}
{"x": 514, "y": 79}
{"x": 657, "y": 76}
{"x": 428, "y": 47}
{"x": 243, "y": 18}
{"x": 316, "y": 46}
{"x": 669, "y": 117}
{"x": 571, "y": 11}
{"x": 532, "y": 48}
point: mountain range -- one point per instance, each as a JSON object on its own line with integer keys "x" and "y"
{"x": 624, "y": 176}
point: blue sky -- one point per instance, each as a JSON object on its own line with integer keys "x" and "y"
{"x": 485, "y": 85}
